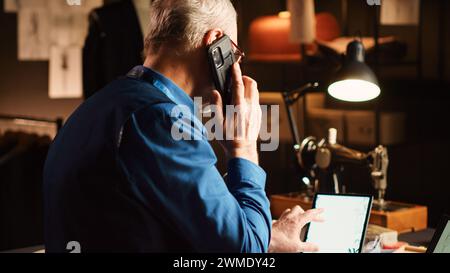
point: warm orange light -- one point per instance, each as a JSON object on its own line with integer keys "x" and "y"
{"x": 284, "y": 14}
{"x": 269, "y": 40}
{"x": 269, "y": 37}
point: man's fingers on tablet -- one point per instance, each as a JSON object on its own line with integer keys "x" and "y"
{"x": 308, "y": 247}
{"x": 297, "y": 210}
{"x": 319, "y": 218}
{"x": 286, "y": 212}
{"x": 309, "y": 216}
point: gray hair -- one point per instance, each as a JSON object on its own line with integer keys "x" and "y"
{"x": 183, "y": 23}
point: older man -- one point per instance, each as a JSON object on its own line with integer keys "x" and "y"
{"x": 117, "y": 180}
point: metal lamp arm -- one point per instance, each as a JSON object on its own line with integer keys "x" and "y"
{"x": 289, "y": 99}
{"x": 293, "y": 96}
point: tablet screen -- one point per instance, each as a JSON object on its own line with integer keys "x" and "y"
{"x": 345, "y": 221}
{"x": 443, "y": 245}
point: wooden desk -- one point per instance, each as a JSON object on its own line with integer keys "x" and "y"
{"x": 401, "y": 217}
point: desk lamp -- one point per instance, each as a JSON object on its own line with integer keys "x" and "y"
{"x": 354, "y": 82}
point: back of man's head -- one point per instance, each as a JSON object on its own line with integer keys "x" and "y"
{"x": 182, "y": 24}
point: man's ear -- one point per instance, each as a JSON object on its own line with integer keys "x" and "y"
{"x": 212, "y": 35}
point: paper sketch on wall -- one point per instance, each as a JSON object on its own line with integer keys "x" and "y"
{"x": 142, "y": 9}
{"x": 83, "y": 6}
{"x": 11, "y": 6}
{"x": 400, "y": 12}
{"x": 33, "y": 36}
{"x": 54, "y": 30}
{"x": 69, "y": 30}
{"x": 65, "y": 74}
{"x": 70, "y": 23}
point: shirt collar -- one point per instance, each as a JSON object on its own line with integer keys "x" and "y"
{"x": 168, "y": 87}
{"x": 171, "y": 90}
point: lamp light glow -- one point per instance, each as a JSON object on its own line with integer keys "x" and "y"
{"x": 354, "y": 90}
{"x": 355, "y": 81}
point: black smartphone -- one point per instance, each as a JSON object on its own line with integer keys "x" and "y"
{"x": 221, "y": 59}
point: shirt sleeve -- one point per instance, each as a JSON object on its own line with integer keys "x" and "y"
{"x": 178, "y": 180}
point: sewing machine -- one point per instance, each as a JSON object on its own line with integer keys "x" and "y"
{"x": 322, "y": 160}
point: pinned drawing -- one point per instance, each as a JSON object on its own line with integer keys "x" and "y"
{"x": 65, "y": 74}
{"x": 10, "y": 6}
{"x": 69, "y": 29}
{"x": 54, "y": 30}
{"x": 400, "y": 12}
{"x": 33, "y": 36}
{"x": 82, "y": 6}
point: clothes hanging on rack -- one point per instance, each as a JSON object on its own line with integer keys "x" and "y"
{"x": 21, "y": 212}
{"x": 21, "y": 142}
{"x": 24, "y": 144}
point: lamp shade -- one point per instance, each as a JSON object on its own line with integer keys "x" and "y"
{"x": 355, "y": 81}
{"x": 269, "y": 37}
{"x": 269, "y": 40}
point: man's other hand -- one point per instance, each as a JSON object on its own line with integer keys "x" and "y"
{"x": 241, "y": 129}
{"x": 286, "y": 231}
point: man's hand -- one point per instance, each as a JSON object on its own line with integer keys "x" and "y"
{"x": 286, "y": 231}
{"x": 241, "y": 129}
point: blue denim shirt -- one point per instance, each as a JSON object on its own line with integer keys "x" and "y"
{"x": 176, "y": 182}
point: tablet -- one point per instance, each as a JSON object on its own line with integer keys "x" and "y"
{"x": 441, "y": 238}
{"x": 345, "y": 222}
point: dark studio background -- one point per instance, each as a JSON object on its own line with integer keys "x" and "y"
{"x": 418, "y": 170}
